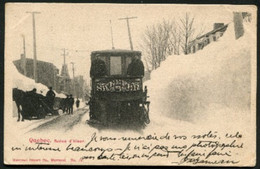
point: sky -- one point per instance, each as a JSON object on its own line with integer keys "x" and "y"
{"x": 82, "y": 28}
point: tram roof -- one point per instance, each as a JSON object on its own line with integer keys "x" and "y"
{"x": 116, "y": 51}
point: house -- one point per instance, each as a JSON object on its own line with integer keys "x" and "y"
{"x": 203, "y": 40}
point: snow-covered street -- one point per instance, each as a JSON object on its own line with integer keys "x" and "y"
{"x": 60, "y": 123}
{"x": 63, "y": 122}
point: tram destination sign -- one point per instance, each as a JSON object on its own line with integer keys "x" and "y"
{"x": 118, "y": 85}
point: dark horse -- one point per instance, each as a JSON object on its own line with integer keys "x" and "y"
{"x": 30, "y": 105}
{"x": 18, "y": 96}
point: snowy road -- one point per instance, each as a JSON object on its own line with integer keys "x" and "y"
{"x": 62, "y": 123}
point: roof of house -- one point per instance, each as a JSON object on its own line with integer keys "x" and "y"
{"x": 209, "y": 33}
{"x": 39, "y": 61}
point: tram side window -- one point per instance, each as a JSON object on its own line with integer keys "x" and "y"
{"x": 115, "y": 65}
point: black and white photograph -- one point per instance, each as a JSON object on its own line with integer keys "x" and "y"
{"x": 130, "y": 84}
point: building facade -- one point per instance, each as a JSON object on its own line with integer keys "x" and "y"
{"x": 47, "y": 73}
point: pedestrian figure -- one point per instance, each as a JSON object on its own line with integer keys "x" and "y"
{"x": 33, "y": 98}
{"x": 33, "y": 103}
{"x": 77, "y": 103}
{"x": 71, "y": 103}
{"x": 66, "y": 104}
{"x": 50, "y": 96}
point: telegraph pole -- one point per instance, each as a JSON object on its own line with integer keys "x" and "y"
{"x": 129, "y": 32}
{"x": 24, "y": 57}
{"x": 54, "y": 79}
{"x": 113, "y": 47}
{"x": 73, "y": 78}
{"x": 35, "y": 75}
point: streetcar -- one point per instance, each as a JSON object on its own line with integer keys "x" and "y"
{"x": 118, "y": 97}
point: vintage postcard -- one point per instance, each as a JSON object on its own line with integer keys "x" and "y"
{"x": 130, "y": 84}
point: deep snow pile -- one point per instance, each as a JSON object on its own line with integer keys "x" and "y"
{"x": 211, "y": 85}
{"x": 26, "y": 84}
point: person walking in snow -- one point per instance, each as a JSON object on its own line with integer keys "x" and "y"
{"x": 50, "y": 96}
{"x": 71, "y": 103}
{"x": 66, "y": 104}
{"x": 77, "y": 103}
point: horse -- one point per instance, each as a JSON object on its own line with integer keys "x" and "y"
{"x": 30, "y": 105}
{"x": 18, "y": 96}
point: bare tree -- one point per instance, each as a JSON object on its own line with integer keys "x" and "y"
{"x": 174, "y": 41}
{"x": 156, "y": 44}
{"x": 167, "y": 38}
{"x": 187, "y": 31}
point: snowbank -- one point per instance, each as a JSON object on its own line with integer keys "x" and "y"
{"x": 26, "y": 84}
{"x": 214, "y": 82}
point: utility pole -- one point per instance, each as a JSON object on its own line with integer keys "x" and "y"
{"x": 83, "y": 91}
{"x": 65, "y": 69}
{"x": 73, "y": 78}
{"x": 24, "y": 57}
{"x": 54, "y": 79}
{"x": 35, "y": 75}
{"x": 129, "y": 32}
{"x": 113, "y": 47}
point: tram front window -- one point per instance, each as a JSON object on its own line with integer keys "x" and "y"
{"x": 115, "y": 65}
